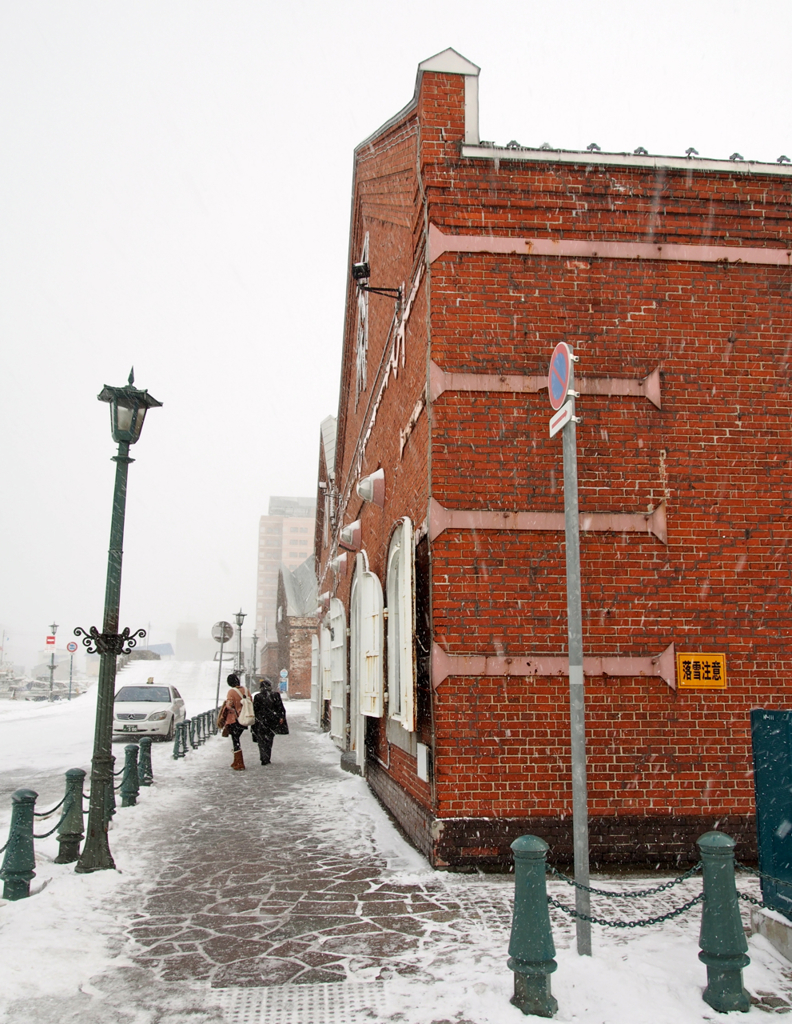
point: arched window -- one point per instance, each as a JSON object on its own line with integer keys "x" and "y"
{"x": 365, "y": 620}
{"x": 401, "y": 626}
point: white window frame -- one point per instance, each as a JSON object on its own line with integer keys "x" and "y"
{"x": 366, "y": 639}
{"x": 316, "y": 703}
{"x": 399, "y": 583}
{"x": 361, "y": 342}
{"x": 338, "y": 675}
{"x": 324, "y": 662}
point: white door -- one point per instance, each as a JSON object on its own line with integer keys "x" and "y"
{"x": 338, "y": 674}
{"x": 316, "y": 703}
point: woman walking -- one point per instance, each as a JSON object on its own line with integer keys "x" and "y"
{"x": 233, "y": 711}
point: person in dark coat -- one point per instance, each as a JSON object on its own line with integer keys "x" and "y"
{"x": 270, "y": 718}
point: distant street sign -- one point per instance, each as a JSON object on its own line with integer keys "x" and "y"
{"x": 71, "y": 647}
{"x": 284, "y": 673}
{"x": 222, "y": 632}
{"x": 50, "y": 641}
{"x": 561, "y": 418}
{"x": 558, "y": 377}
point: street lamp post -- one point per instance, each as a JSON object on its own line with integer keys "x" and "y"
{"x": 239, "y": 618}
{"x": 253, "y": 664}
{"x": 53, "y": 631}
{"x": 128, "y": 407}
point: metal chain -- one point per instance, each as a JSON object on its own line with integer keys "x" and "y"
{"x": 641, "y": 923}
{"x": 63, "y": 818}
{"x": 751, "y": 899}
{"x": 761, "y": 874}
{"x": 625, "y": 895}
{"x": 46, "y": 814}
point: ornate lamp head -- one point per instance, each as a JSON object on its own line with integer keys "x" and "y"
{"x": 128, "y": 407}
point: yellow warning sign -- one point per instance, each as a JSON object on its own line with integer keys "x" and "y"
{"x": 701, "y": 671}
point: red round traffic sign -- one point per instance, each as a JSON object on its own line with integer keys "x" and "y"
{"x": 71, "y": 647}
{"x": 560, "y": 372}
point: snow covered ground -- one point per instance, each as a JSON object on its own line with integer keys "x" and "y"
{"x": 39, "y": 741}
{"x": 66, "y": 953}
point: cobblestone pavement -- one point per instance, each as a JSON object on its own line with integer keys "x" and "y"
{"x": 282, "y": 895}
{"x": 264, "y": 888}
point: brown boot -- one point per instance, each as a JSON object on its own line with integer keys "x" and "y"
{"x": 239, "y": 763}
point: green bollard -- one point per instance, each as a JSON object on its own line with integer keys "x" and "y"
{"x": 20, "y": 857}
{"x": 71, "y": 830}
{"x": 722, "y": 939}
{"x": 177, "y": 753}
{"x": 531, "y": 949}
{"x": 145, "y": 771}
{"x": 130, "y": 786}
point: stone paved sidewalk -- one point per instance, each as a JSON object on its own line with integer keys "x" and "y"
{"x": 283, "y": 895}
{"x": 265, "y": 887}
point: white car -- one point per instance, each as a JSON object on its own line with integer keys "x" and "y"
{"x": 147, "y": 710}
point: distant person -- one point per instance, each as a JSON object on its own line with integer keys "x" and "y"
{"x": 234, "y": 709}
{"x": 270, "y": 719}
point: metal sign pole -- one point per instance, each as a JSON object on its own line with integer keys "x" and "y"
{"x": 219, "y": 674}
{"x": 71, "y": 673}
{"x": 577, "y": 709}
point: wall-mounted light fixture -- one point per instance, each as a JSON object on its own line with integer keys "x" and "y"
{"x": 361, "y": 272}
{"x": 351, "y": 537}
{"x": 372, "y": 488}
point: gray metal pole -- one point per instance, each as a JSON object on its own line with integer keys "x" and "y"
{"x": 219, "y": 674}
{"x": 577, "y": 709}
{"x": 71, "y": 673}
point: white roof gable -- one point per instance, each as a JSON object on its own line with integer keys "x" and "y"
{"x": 449, "y": 62}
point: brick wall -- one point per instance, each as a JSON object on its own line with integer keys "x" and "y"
{"x": 664, "y": 765}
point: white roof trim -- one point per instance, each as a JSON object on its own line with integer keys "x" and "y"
{"x": 449, "y": 62}
{"x": 679, "y": 163}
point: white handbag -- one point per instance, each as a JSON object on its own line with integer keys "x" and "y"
{"x": 246, "y": 716}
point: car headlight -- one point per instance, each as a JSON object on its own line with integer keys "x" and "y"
{"x": 158, "y": 716}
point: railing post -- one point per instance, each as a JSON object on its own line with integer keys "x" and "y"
{"x": 145, "y": 771}
{"x": 20, "y": 857}
{"x": 130, "y": 786}
{"x": 722, "y": 939}
{"x": 71, "y": 830}
{"x": 190, "y": 723}
{"x": 531, "y": 949}
{"x": 177, "y": 742}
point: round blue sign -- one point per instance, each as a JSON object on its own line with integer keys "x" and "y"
{"x": 560, "y": 372}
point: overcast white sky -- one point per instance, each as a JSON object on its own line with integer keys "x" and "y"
{"x": 174, "y": 193}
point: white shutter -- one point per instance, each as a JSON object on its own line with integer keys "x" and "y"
{"x": 401, "y": 626}
{"x": 407, "y": 630}
{"x": 338, "y": 673}
{"x": 315, "y": 680}
{"x": 324, "y": 651}
{"x": 366, "y": 653}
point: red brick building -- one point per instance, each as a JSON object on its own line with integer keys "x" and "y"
{"x": 296, "y": 625}
{"x": 670, "y": 278}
